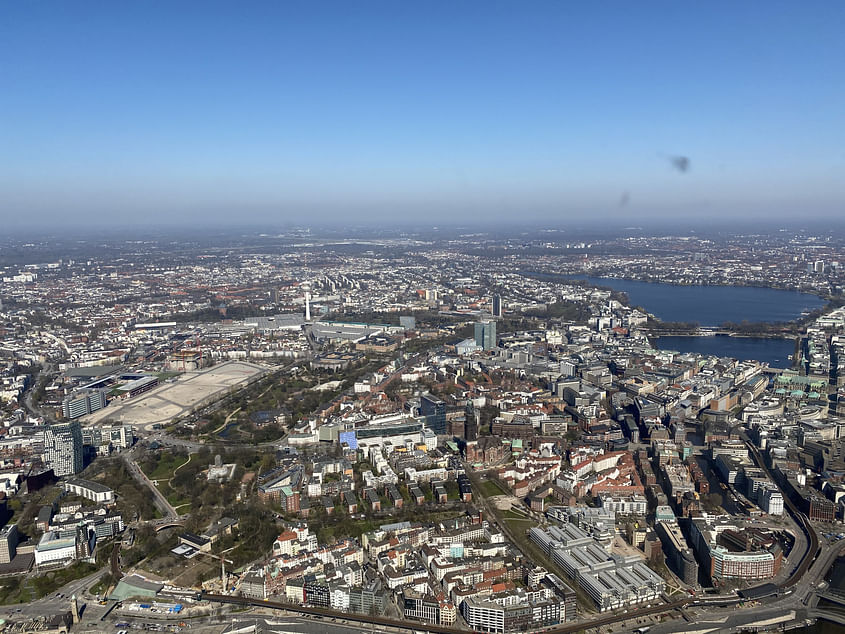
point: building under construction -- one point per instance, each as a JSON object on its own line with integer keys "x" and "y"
{"x": 184, "y": 360}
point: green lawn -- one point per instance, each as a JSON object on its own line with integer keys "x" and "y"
{"x": 172, "y": 496}
{"x": 167, "y": 464}
{"x": 490, "y": 488}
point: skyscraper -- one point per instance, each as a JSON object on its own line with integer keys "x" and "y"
{"x": 63, "y": 448}
{"x": 497, "y": 305}
{"x": 485, "y": 334}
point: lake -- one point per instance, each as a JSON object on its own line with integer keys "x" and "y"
{"x": 708, "y": 305}
{"x": 775, "y": 352}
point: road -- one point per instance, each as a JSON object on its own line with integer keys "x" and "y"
{"x": 56, "y": 602}
{"x": 46, "y": 371}
{"x": 159, "y": 500}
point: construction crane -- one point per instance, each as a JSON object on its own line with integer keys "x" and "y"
{"x": 223, "y": 562}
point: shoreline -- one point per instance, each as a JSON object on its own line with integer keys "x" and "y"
{"x": 581, "y": 277}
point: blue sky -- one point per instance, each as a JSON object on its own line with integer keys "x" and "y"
{"x": 279, "y": 112}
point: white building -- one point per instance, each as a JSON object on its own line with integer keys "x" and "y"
{"x": 484, "y": 616}
{"x": 90, "y": 490}
{"x": 51, "y": 547}
{"x": 771, "y": 501}
{"x": 627, "y": 505}
{"x": 339, "y": 597}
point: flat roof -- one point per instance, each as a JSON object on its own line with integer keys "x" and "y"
{"x": 93, "y": 486}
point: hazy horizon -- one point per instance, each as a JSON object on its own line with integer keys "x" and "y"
{"x": 548, "y": 114}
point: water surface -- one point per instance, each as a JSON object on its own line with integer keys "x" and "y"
{"x": 709, "y": 305}
{"x": 775, "y": 352}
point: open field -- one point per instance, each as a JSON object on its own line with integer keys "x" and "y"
{"x": 491, "y": 487}
{"x": 166, "y": 466}
{"x": 170, "y": 400}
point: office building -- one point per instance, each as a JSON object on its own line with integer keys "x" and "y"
{"x": 497, "y": 305}
{"x": 55, "y": 548}
{"x": 721, "y": 563}
{"x": 107, "y": 437}
{"x": 8, "y": 543}
{"x": 678, "y": 554}
{"x": 63, "y": 448}
{"x": 611, "y": 581}
{"x": 771, "y": 500}
{"x": 434, "y": 411}
{"x": 83, "y": 402}
{"x": 485, "y": 334}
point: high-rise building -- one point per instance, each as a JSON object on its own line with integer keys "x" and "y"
{"x": 82, "y": 403}
{"x": 485, "y": 334}
{"x": 497, "y": 305}
{"x": 472, "y": 421}
{"x": 8, "y": 543}
{"x": 434, "y": 411}
{"x": 63, "y": 448}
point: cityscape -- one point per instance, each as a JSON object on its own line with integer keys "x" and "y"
{"x": 422, "y": 318}
{"x": 460, "y": 433}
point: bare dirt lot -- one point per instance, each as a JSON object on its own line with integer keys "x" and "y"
{"x": 177, "y": 397}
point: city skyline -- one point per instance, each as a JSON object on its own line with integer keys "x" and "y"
{"x": 145, "y": 115}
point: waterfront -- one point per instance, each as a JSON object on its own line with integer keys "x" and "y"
{"x": 709, "y": 305}
{"x": 774, "y": 351}
{"x": 836, "y": 578}
{"x": 821, "y": 627}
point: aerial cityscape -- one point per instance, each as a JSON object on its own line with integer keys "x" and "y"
{"x": 338, "y": 318}
{"x": 465, "y": 431}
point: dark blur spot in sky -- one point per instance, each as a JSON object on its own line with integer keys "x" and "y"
{"x": 680, "y": 163}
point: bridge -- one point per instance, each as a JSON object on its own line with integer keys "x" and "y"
{"x": 833, "y": 596}
{"x": 168, "y": 522}
{"x": 828, "y": 614}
